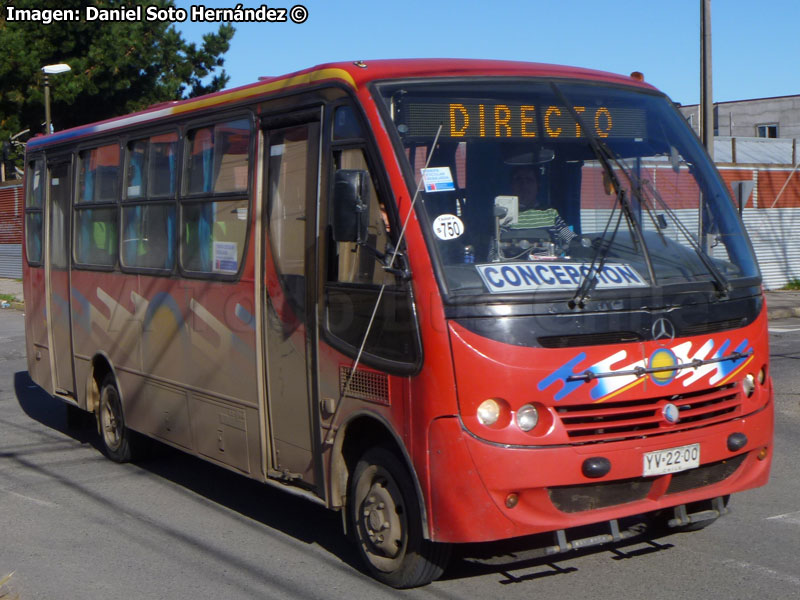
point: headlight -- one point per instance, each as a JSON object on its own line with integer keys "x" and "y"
{"x": 749, "y": 385}
{"x": 488, "y": 412}
{"x": 527, "y": 417}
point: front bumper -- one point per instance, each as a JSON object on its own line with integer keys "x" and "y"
{"x": 472, "y": 480}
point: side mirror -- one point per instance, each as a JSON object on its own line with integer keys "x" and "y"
{"x": 350, "y": 209}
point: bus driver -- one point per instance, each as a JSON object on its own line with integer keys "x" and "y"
{"x": 532, "y": 214}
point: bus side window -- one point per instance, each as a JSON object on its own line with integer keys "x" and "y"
{"x": 215, "y": 215}
{"x": 345, "y": 124}
{"x": 34, "y": 207}
{"x": 149, "y": 210}
{"x": 349, "y": 262}
{"x": 354, "y": 279}
{"x": 96, "y": 235}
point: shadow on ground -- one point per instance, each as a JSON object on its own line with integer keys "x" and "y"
{"x": 311, "y": 523}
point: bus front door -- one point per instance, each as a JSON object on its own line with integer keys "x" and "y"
{"x": 291, "y": 168}
{"x": 57, "y": 264}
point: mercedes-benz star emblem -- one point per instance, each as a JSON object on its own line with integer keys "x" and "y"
{"x": 671, "y": 413}
{"x": 663, "y": 329}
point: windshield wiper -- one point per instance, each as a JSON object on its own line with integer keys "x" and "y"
{"x": 599, "y": 258}
{"x": 641, "y": 371}
{"x": 605, "y": 156}
{"x": 721, "y": 283}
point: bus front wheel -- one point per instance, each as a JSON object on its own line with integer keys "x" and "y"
{"x": 385, "y": 516}
{"x": 118, "y": 441}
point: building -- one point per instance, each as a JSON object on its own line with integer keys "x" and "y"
{"x": 756, "y": 150}
{"x": 11, "y": 215}
{"x": 777, "y": 117}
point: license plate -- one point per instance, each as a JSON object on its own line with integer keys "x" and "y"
{"x": 672, "y": 460}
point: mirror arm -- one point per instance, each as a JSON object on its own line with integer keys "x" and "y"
{"x": 384, "y": 258}
{"x": 403, "y": 273}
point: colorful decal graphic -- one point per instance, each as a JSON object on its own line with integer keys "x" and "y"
{"x": 176, "y": 108}
{"x": 158, "y": 321}
{"x": 663, "y": 357}
{"x": 667, "y": 358}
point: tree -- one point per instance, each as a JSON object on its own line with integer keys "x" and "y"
{"x": 117, "y": 67}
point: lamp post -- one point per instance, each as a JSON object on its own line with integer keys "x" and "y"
{"x": 50, "y": 70}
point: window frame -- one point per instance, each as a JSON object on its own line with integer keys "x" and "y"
{"x": 367, "y": 144}
{"x": 34, "y": 162}
{"x": 145, "y": 199}
{"x": 78, "y": 206}
{"x": 185, "y": 198}
{"x": 766, "y": 127}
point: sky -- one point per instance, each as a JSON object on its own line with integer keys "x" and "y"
{"x": 754, "y": 45}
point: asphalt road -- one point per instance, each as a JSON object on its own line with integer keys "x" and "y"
{"x": 75, "y": 525}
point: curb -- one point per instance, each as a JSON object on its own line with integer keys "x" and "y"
{"x": 782, "y": 313}
{"x": 16, "y": 305}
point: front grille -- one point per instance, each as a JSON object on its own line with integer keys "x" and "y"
{"x": 579, "y": 498}
{"x": 589, "y": 339}
{"x": 591, "y": 496}
{"x": 592, "y": 423}
{"x": 715, "y": 327}
{"x": 704, "y": 475}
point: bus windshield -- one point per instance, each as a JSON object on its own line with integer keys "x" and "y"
{"x": 570, "y": 188}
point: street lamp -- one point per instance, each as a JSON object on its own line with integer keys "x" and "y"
{"x": 50, "y": 70}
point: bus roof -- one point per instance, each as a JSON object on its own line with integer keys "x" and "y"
{"x": 352, "y": 74}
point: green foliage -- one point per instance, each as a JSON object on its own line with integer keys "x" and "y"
{"x": 794, "y": 284}
{"x": 117, "y": 67}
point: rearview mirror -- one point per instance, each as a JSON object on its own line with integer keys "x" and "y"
{"x": 350, "y": 209}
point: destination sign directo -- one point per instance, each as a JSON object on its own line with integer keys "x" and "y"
{"x": 521, "y": 121}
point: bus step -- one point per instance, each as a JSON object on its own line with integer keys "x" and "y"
{"x": 615, "y": 535}
{"x": 683, "y": 518}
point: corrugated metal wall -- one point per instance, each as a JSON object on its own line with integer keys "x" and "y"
{"x": 11, "y": 215}
{"x": 775, "y": 234}
{"x": 772, "y": 217}
{"x": 11, "y": 260}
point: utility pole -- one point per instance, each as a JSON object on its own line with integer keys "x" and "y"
{"x": 706, "y": 102}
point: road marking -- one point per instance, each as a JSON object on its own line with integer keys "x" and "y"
{"x": 771, "y": 573}
{"x": 783, "y": 329}
{"x": 34, "y": 500}
{"x": 793, "y": 518}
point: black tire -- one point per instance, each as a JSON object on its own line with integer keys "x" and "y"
{"x": 120, "y": 444}
{"x": 386, "y": 521}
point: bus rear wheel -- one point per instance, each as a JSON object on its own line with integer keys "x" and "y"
{"x": 119, "y": 442}
{"x": 385, "y": 516}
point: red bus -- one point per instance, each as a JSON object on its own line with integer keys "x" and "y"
{"x": 457, "y": 301}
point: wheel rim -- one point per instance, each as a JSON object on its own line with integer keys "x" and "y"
{"x": 381, "y": 519}
{"x": 109, "y": 419}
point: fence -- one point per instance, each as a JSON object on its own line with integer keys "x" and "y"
{"x": 11, "y": 215}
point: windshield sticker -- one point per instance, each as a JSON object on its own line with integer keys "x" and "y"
{"x": 502, "y": 278}
{"x": 448, "y": 227}
{"x": 438, "y": 179}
